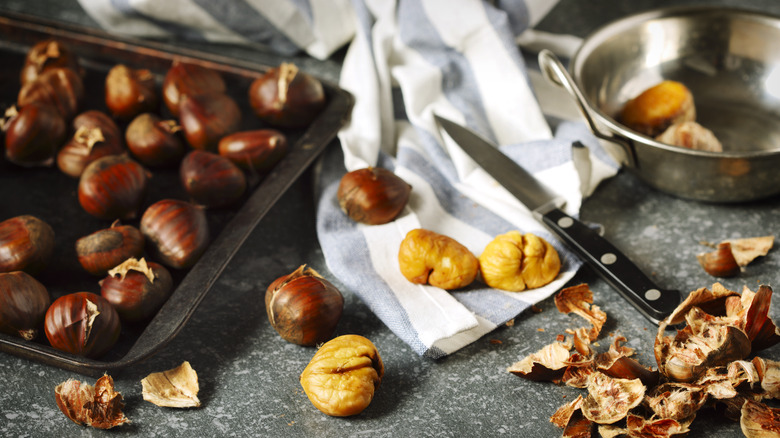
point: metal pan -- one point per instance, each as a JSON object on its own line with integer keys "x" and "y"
{"x": 728, "y": 58}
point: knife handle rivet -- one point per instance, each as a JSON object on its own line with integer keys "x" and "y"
{"x": 652, "y": 294}
{"x": 565, "y": 222}
{"x": 608, "y": 258}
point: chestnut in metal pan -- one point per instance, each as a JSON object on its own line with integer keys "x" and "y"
{"x": 113, "y": 187}
{"x": 177, "y": 232}
{"x": 26, "y": 244}
{"x": 287, "y": 97}
{"x": 192, "y": 79}
{"x": 61, "y": 88}
{"x": 257, "y": 150}
{"x": 206, "y": 118}
{"x": 33, "y": 134}
{"x": 153, "y": 141}
{"x": 95, "y": 135}
{"x": 137, "y": 289}
{"x": 105, "y": 249}
{"x": 82, "y": 323}
{"x": 23, "y": 304}
{"x": 130, "y": 92}
{"x": 211, "y": 180}
{"x": 46, "y": 55}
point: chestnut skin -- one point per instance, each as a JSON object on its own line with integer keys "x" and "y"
{"x": 82, "y": 323}
{"x": 286, "y": 97}
{"x": 134, "y": 296}
{"x": 105, "y": 249}
{"x": 257, "y": 150}
{"x": 61, "y": 88}
{"x": 113, "y": 187}
{"x": 193, "y": 79}
{"x": 153, "y": 141}
{"x": 130, "y": 92}
{"x": 211, "y": 180}
{"x": 26, "y": 244}
{"x": 176, "y": 231}
{"x": 95, "y": 135}
{"x": 23, "y": 304}
{"x": 34, "y": 134}
{"x": 206, "y": 118}
{"x": 46, "y": 55}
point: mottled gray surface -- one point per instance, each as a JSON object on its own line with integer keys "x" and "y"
{"x": 249, "y": 376}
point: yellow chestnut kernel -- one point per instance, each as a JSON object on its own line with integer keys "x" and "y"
{"x": 426, "y": 257}
{"x": 516, "y": 262}
{"x": 659, "y": 107}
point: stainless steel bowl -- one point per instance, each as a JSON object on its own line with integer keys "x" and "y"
{"x": 728, "y": 58}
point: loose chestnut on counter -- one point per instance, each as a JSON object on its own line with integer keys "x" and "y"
{"x": 95, "y": 135}
{"x": 137, "y": 289}
{"x": 26, "y": 244}
{"x": 46, "y": 55}
{"x": 153, "y": 141}
{"x": 33, "y": 134}
{"x": 257, "y": 151}
{"x": 113, "y": 187}
{"x": 23, "y": 304}
{"x": 177, "y": 231}
{"x": 192, "y": 79}
{"x": 303, "y": 307}
{"x": 82, "y": 323}
{"x": 212, "y": 180}
{"x": 373, "y": 195}
{"x": 61, "y": 88}
{"x": 130, "y": 92}
{"x": 206, "y": 118}
{"x": 286, "y": 97}
{"x": 105, "y": 249}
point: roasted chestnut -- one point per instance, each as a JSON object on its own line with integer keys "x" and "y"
{"x": 130, "y": 92}
{"x": 183, "y": 78}
{"x": 105, "y": 249}
{"x": 372, "y": 195}
{"x": 46, "y": 55}
{"x": 287, "y": 97}
{"x": 153, "y": 141}
{"x": 61, "y": 88}
{"x": 303, "y": 307}
{"x": 113, "y": 187}
{"x": 258, "y": 150}
{"x": 211, "y": 180}
{"x": 177, "y": 231}
{"x": 137, "y": 289}
{"x": 82, "y": 323}
{"x": 23, "y": 304}
{"x": 206, "y": 118}
{"x": 95, "y": 135}
{"x": 33, "y": 134}
{"x": 26, "y": 244}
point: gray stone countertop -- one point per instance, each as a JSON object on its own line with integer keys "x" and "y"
{"x": 249, "y": 375}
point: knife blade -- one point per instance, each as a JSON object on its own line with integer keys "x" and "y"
{"x": 607, "y": 260}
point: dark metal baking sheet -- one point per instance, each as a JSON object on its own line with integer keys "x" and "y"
{"x": 51, "y": 195}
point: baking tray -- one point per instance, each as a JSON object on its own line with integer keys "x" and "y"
{"x": 52, "y": 195}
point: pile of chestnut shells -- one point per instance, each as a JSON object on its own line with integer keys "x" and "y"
{"x": 114, "y": 154}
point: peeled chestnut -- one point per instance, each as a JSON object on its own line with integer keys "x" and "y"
{"x": 372, "y": 195}
{"x": 303, "y": 307}
{"x": 206, "y": 118}
{"x": 153, "y": 141}
{"x": 82, "y": 323}
{"x": 105, "y": 249}
{"x": 26, "y": 244}
{"x": 137, "y": 289}
{"x": 193, "y": 79}
{"x": 95, "y": 135}
{"x": 212, "y": 180}
{"x": 113, "y": 187}
{"x": 46, "y": 55}
{"x": 177, "y": 231}
{"x": 258, "y": 150}
{"x": 23, "y": 304}
{"x": 130, "y": 92}
{"x": 287, "y": 97}
{"x": 33, "y": 134}
{"x": 61, "y": 88}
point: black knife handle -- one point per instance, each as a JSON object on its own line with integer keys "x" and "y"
{"x": 614, "y": 267}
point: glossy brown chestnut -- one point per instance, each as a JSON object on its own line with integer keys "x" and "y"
{"x": 372, "y": 195}
{"x": 153, "y": 141}
{"x": 258, "y": 150}
{"x": 287, "y": 97}
{"x": 61, "y": 88}
{"x": 206, "y": 118}
{"x": 26, "y": 244}
{"x": 211, "y": 180}
{"x": 193, "y": 79}
{"x": 82, "y": 323}
{"x": 177, "y": 232}
{"x": 23, "y": 304}
{"x": 303, "y": 307}
{"x": 137, "y": 289}
{"x": 113, "y": 187}
{"x": 95, "y": 135}
{"x": 105, "y": 249}
{"x": 130, "y": 92}
{"x": 33, "y": 135}
{"x": 46, "y": 55}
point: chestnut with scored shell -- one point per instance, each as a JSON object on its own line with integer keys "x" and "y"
{"x": 95, "y": 135}
{"x": 23, "y": 304}
{"x": 206, "y": 118}
{"x": 82, "y": 323}
{"x": 212, "y": 180}
{"x": 372, "y": 195}
{"x": 137, "y": 289}
{"x": 107, "y": 248}
{"x": 177, "y": 231}
{"x": 46, "y": 55}
{"x": 286, "y": 97}
{"x": 33, "y": 134}
{"x": 61, "y": 88}
{"x": 153, "y": 141}
{"x": 258, "y": 150}
{"x": 303, "y": 307}
{"x": 130, "y": 92}
{"x": 192, "y": 79}
{"x": 26, "y": 244}
{"x": 113, "y": 187}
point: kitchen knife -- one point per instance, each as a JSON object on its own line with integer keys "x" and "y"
{"x": 614, "y": 267}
